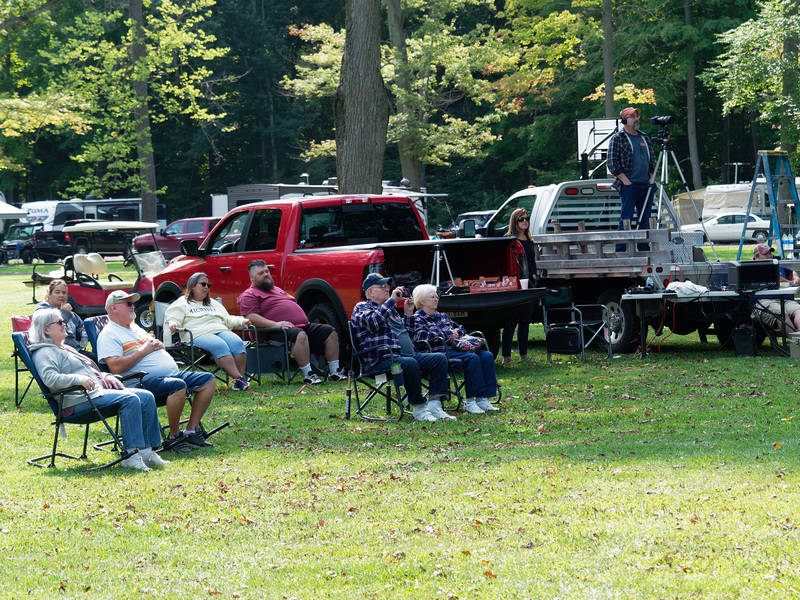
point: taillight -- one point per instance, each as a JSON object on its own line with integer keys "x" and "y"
{"x": 67, "y": 238}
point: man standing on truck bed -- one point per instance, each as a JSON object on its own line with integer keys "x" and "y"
{"x": 632, "y": 162}
{"x": 267, "y": 305}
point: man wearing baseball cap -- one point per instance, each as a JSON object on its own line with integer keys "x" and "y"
{"x": 768, "y": 309}
{"x": 377, "y": 325}
{"x": 126, "y": 348}
{"x": 632, "y": 162}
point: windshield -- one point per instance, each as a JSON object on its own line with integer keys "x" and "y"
{"x": 150, "y": 263}
{"x": 20, "y": 233}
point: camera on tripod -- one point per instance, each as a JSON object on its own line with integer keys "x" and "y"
{"x": 662, "y": 121}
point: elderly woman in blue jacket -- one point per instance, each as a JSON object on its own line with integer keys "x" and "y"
{"x": 442, "y": 334}
{"x": 60, "y": 366}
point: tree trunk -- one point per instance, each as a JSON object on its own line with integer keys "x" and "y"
{"x": 608, "y": 58}
{"x": 407, "y": 146}
{"x": 141, "y": 114}
{"x": 361, "y": 107}
{"x": 691, "y": 108}
{"x": 789, "y": 85}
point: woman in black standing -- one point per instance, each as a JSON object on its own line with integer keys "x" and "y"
{"x": 519, "y": 227}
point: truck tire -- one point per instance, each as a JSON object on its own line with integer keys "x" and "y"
{"x": 324, "y": 313}
{"x": 27, "y": 256}
{"x": 81, "y": 248}
{"x": 624, "y": 328}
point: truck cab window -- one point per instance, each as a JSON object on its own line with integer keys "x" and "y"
{"x": 263, "y": 232}
{"x": 499, "y": 223}
{"x": 226, "y": 237}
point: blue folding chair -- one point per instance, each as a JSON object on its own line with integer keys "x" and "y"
{"x": 54, "y": 399}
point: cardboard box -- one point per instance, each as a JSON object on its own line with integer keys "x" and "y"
{"x": 492, "y": 284}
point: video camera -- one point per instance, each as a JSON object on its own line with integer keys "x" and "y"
{"x": 662, "y": 121}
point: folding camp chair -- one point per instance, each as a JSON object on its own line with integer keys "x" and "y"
{"x": 570, "y": 328}
{"x": 20, "y": 325}
{"x": 379, "y": 382}
{"x": 267, "y": 356}
{"x": 93, "y": 327}
{"x": 54, "y": 399}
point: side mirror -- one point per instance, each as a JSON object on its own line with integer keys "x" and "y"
{"x": 189, "y": 247}
{"x": 466, "y": 229}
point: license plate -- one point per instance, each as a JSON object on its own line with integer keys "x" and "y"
{"x": 454, "y": 314}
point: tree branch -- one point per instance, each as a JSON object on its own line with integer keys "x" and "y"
{"x": 30, "y": 15}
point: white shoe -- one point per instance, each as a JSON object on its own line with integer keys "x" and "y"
{"x": 134, "y": 462}
{"x": 435, "y": 408}
{"x": 153, "y": 460}
{"x": 485, "y": 405}
{"x": 421, "y": 413}
{"x": 471, "y": 406}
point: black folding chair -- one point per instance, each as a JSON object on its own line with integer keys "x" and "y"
{"x": 20, "y": 325}
{"x": 55, "y": 400}
{"x": 378, "y": 383}
{"x": 570, "y": 328}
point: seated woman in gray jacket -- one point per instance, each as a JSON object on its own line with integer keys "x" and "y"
{"x": 60, "y": 366}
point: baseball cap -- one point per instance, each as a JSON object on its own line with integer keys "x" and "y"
{"x": 119, "y": 296}
{"x": 374, "y": 279}
{"x": 762, "y": 249}
{"x": 627, "y": 112}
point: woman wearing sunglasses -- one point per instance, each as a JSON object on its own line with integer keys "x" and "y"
{"x": 60, "y": 366}
{"x": 210, "y": 326}
{"x": 519, "y": 227}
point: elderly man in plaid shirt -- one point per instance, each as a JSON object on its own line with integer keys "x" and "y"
{"x": 377, "y": 323}
{"x": 632, "y": 162}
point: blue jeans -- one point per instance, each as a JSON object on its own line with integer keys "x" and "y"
{"x": 433, "y": 364}
{"x": 634, "y": 196}
{"x": 138, "y": 417}
{"x": 479, "y": 375}
{"x": 163, "y": 387}
{"x": 224, "y": 343}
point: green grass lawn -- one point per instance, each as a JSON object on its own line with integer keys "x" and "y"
{"x": 672, "y": 477}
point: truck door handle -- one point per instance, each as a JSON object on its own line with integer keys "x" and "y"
{"x": 225, "y": 269}
{"x": 271, "y": 267}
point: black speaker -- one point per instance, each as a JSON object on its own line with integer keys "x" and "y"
{"x": 744, "y": 341}
{"x": 751, "y": 276}
{"x": 563, "y": 341}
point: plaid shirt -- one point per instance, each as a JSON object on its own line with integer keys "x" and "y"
{"x": 435, "y": 329}
{"x": 620, "y": 156}
{"x": 372, "y": 327}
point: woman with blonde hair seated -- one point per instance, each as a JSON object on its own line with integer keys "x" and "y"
{"x": 61, "y": 367}
{"x": 210, "y": 326}
{"x": 443, "y": 335}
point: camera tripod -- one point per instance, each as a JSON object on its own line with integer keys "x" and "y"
{"x": 665, "y": 139}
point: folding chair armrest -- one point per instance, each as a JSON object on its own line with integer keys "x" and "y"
{"x": 73, "y": 388}
{"x": 136, "y": 375}
{"x": 425, "y": 346}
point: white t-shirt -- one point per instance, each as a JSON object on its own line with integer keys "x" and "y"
{"x": 116, "y": 340}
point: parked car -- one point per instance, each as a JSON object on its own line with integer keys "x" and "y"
{"x": 108, "y": 238}
{"x": 728, "y": 228}
{"x": 480, "y": 217}
{"x": 19, "y": 242}
{"x": 169, "y": 239}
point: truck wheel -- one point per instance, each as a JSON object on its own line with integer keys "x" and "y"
{"x": 27, "y": 256}
{"x": 325, "y": 313}
{"x": 723, "y": 330}
{"x": 624, "y": 328}
{"x": 145, "y": 317}
{"x": 81, "y": 248}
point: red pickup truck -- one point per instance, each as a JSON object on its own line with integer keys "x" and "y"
{"x": 320, "y": 249}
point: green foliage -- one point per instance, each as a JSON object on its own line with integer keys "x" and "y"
{"x": 92, "y": 55}
{"x": 750, "y": 72}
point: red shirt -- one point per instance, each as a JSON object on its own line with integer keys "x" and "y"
{"x": 275, "y": 305}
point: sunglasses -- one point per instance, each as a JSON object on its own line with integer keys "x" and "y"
{"x": 127, "y": 303}
{"x": 59, "y": 322}
{"x": 522, "y": 219}
{"x": 205, "y": 284}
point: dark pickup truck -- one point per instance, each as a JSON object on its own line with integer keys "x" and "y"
{"x": 52, "y": 246}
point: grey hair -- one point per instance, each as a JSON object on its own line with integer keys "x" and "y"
{"x": 421, "y": 291}
{"x": 40, "y": 321}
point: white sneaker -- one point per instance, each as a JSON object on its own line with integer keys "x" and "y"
{"x": 134, "y": 462}
{"x": 153, "y": 460}
{"x": 435, "y": 408}
{"x": 421, "y": 413}
{"x": 485, "y": 405}
{"x": 471, "y": 406}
